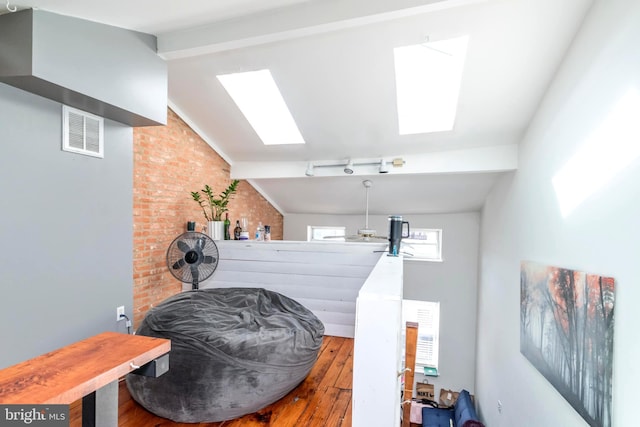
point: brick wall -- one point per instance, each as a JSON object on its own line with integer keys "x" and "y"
{"x": 170, "y": 162}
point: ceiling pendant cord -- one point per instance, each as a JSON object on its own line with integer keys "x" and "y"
{"x": 367, "y": 185}
{"x": 10, "y": 9}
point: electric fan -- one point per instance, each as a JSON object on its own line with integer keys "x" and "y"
{"x": 192, "y": 257}
{"x": 365, "y": 234}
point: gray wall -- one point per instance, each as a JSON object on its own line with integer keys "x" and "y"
{"x": 522, "y": 221}
{"x": 105, "y": 70}
{"x": 452, "y": 282}
{"x": 66, "y": 230}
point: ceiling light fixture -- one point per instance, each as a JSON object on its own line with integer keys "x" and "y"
{"x": 349, "y": 166}
{"x": 348, "y": 169}
{"x": 383, "y": 167}
{"x": 309, "y": 171}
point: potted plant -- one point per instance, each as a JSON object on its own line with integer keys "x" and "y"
{"x": 214, "y": 206}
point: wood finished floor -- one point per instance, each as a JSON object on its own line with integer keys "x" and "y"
{"x": 323, "y": 399}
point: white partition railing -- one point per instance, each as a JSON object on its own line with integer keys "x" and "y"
{"x": 325, "y": 277}
{"x": 377, "y": 355}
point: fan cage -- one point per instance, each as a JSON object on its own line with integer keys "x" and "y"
{"x": 192, "y": 257}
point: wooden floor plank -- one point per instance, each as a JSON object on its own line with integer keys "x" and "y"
{"x": 292, "y": 405}
{"x": 348, "y": 415}
{"x": 323, "y": 409}
{"x": 338, "y": 412}
{"x": 346, "y": 375}
{"x": 323, "y": 399}
{"x": 326, "y": 359}
{"x": 335, "y": 369}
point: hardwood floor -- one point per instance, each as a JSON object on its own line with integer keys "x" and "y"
{"x": 323, "y": 399}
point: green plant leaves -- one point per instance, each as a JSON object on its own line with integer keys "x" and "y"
{"x": 214, "y": 206}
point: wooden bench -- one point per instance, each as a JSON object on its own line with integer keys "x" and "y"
{"x": 88, "y": 369}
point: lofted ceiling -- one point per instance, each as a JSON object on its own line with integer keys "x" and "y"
{"x": 333, "y": 63}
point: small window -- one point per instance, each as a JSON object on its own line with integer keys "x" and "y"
{"x": 424, "y": 244}
{"x": 427, "y": 315}
{"x": 82, "y": 132}
{"x": 325, "y": 234}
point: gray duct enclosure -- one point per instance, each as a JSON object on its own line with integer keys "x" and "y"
{"x": 105, "y": 70}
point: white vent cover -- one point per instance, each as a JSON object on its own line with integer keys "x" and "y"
{"x": 82, "y": 132}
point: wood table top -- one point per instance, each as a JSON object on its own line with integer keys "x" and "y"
{"x": 67, "y": 374}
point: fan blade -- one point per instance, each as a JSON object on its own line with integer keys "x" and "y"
{"x": 208, "y": 259}
{"x": 178, "y": 264}
{"x": 201, "y": 242}
{"x": 195, "y": 273}
{"x": 183, "y": 246}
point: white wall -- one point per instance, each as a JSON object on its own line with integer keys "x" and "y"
{"x": 522, "y": 221}
{"x": 452, "y": 282}
{"x": 377, "y": 350}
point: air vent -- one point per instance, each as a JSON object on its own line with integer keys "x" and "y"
{"x": 82, "y": 132}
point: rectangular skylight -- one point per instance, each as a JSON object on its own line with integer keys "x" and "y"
{"x": 257, "y": 96}
{"x": 428, "y": 78}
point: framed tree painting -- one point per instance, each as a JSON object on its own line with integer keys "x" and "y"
{"x": 566, "y": 332}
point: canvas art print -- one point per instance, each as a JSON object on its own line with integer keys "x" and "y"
{"x": 566, "y": 332}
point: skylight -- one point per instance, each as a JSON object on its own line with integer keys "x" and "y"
{"x": 257, "y": 96}
{"x": 428, "y": 78}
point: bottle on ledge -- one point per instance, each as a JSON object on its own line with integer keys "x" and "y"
{"x": 260, "y": 232}
{"x": 237, "y": 230}
{"x": 227, "y": 224}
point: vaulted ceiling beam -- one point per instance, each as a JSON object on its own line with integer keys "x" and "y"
{"x": 500, "y": 158}
{"x": 298, "y": 20}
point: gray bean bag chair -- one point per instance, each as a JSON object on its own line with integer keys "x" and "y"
{"x": 233, "y": 352}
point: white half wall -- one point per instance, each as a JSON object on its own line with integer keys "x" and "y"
{"x": 452, "y": 282}
{"x": 324, "y": 277}
{"x": 377, "y": 350}
{"x": 522, "y": 220}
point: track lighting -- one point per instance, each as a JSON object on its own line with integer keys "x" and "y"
{"x": 383, "y": 167}
{"x": 309, "y": 171}
{"x": 348, "y": 169}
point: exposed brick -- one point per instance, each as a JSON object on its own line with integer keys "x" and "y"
{"x": 168, "y": 163}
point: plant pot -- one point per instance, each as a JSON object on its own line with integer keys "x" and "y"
{"x": 216, "y": 230}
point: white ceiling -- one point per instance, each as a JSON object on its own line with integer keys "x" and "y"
{"x": 333, "y": 62}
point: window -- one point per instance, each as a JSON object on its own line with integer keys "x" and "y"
{"x": 427, "y": 315}
{"x": 424, "y": 244}
{"x": 324, "y": 233}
